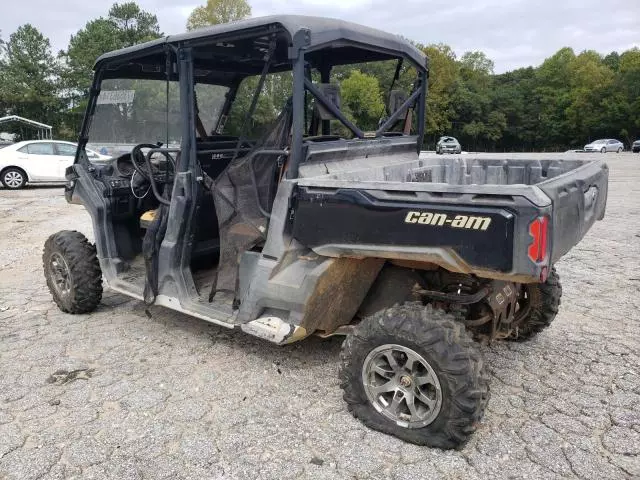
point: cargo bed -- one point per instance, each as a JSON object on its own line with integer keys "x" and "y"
{"x": 362, "y": 207}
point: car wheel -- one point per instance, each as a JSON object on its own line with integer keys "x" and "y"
{"x": 14, "y": 178}
{"x": 603, "y": 150}
{"x": 414, "y": 372}
{"x": 619, "y": 150}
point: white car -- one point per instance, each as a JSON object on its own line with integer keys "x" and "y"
{"x": 38, "y": 161}
{"x": 604, "y": 146}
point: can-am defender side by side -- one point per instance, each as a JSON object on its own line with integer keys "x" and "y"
{"x": 242, "y": 192}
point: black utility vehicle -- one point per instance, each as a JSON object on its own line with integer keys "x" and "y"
{"x": 248, "y": 198}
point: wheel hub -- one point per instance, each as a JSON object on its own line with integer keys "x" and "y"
{"x": 60, "y": 274}
{"x": 402, "y": 386}
{"x": 13, "y": 179}
{"x": 405, "y": 381}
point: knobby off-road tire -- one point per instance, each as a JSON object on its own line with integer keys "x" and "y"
{"x": 452, "y": 358}
{"x": 72, "y": 271}
{"x": 542, "y": 304}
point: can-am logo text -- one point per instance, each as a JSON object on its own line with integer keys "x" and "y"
{"x": 442, "y": 220}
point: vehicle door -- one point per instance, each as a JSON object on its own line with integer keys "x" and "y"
{"x": 65, "y": 153}
{"x": 40, "y": 161}
{"x": 612, "y": 145}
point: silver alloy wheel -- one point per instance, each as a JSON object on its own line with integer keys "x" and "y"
{"x": 13, "y": 179}
{"x": 60, "y": 274}
{"x": 402, "y": 386}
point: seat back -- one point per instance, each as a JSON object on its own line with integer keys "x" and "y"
{"x": 320, "y": 113}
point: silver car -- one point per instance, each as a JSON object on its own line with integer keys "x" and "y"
{"x": 604, "y": 146}
{"x": 448, "y": 145}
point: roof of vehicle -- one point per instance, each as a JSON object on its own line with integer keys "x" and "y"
{"x": 322, "y": 31}
{"x": 24, "y": 142}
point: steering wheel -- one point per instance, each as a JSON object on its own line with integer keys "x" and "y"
{"x": 139, "y": 162}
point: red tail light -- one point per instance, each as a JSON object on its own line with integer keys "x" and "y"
{"x": 538, "y": 229}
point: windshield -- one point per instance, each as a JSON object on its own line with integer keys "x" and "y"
{"x": 130, "y": 112}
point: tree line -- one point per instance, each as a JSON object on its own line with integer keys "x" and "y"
{"x": 570, "y": 99}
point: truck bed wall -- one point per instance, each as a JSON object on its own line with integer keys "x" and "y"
{"x": 459, "y": 170}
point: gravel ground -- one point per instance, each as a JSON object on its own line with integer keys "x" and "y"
{"x": 117, "y": 394}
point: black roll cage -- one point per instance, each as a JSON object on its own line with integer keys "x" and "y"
{"x": 181, "y": 55}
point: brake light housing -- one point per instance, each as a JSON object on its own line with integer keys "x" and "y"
{"x": 539, "y": 230}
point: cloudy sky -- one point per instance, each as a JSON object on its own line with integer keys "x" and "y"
{"x": 514, "y": 33}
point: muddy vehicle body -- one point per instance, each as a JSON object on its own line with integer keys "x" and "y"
{"x": 318, "y": 226}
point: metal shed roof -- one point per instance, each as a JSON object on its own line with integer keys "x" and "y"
{"x": 322, "y": 31}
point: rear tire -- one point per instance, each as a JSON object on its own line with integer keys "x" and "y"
{"x": 13, "y": 178}
{"x": 72, "y": 271}
{"x": 619, "y": 150}
{"x": 543, "y": 303}
{"x": 441, "y": 412}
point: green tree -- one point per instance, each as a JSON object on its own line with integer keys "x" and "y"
{"x": 612, "y": 61}
{"x": 627, "y": 86}
{"x": 513, "y": 95}
{"x": 218, "y": 11}
{"x": 28, "y": 73}
{"x": 443, "y": 72}
{"x": 472, "y": 100}
{"x": 133, "y": 24}
{"x": 97, "y": 37}
{"x": 126, "y": 25}
{"x": 362, "y": 99}
{"x": 553, "y": 79}
{"x": 589, "y": 81}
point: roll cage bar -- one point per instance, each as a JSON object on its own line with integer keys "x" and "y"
{"x": 176, "y": 61}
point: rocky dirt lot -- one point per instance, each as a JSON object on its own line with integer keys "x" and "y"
{"x": 117, "y": 394}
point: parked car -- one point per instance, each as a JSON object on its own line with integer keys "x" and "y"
{"x": 448, "y": 145}
{"x": 38, "y": 161}
{"x": 5, "y": 144}
{"x": 604, "y": 146}
{"x": 635, "y": 148}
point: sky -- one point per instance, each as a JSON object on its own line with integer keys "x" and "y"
{"x": 513, "y": 33}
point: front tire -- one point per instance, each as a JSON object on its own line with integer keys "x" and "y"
{"x": 72, "y": 271}
{"x": 13, "y": 178}
{"x": 415, "y": 373}
{"x": 540, "y": 305}
{"x": 603, "y": 150}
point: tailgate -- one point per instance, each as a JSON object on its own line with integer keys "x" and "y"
{"x": 457, "y": 232}
{"x": 579, "y": 198}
